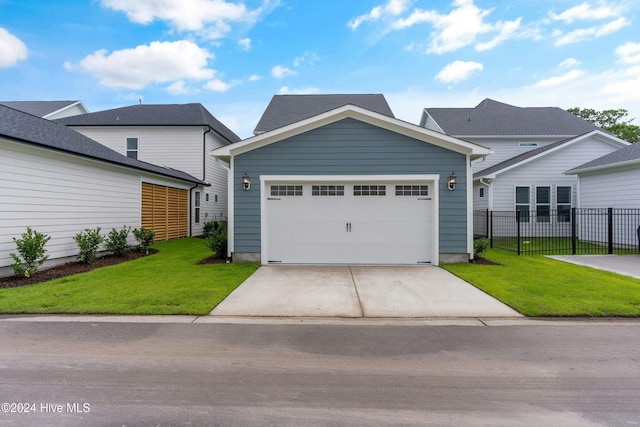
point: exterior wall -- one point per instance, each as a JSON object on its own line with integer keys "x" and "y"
{"x": 61, "y": 195}
{"x": 177, "y": 147}
{"x": 350, "y": 147}
{"x": 546, "y": 171}
{"x": 67, "y": 112}
{"x": 480, "y": 202}
{"x": 613, "y": 189}
{"x": 506, "y": 148}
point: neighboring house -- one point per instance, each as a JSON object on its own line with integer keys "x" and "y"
{"x": 612, "y": 181}
{"x": 49, "y": 110}
{"x": 530, "y": 150}
{"x": 178, "y": 136}
{"x": 60, "y": 182}
{"x": 348, "y": 185}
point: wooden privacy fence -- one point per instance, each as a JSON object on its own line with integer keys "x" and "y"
{"x": 566, "y": 231}
{"x": 165, "y": 210}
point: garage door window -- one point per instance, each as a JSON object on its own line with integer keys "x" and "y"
{"x": 412, "y": 190}
{"x": 369, "y": 190}
{"x": 286, "y": 190}
{"x": 327, "y": 190}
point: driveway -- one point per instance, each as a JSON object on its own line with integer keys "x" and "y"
{"x": 358, "y": 291}
{"x": 628, "y": 265}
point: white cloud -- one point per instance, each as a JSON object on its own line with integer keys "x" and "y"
{"x": 255, "y": 78}
{"x": 245, "y": 44}
{"x": 178, "y": 88}
{"x": 459, "y": 28}
{"x": 559, "y": 81}
{"x": 12, "y": 49}
{"x": 280, "y": 72}
{"x": 217, "y": 85}
{"x": 629, "y": 53}
{"x": 308, "y": 57}
{"x": 458, "y": 71}
{"x": 284, "y": 90}
{"x": 585, "y": 11}
{"x": 569, "y": 63}
{"x": 583, "y": 34}
{"x": 158, "y": 62}
{"x": 391, "y": 8}
{"x": 506, "y": 31}
{"x": 210, "y": 18}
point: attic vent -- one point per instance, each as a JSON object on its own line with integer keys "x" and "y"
{"x": 117, "y": 118}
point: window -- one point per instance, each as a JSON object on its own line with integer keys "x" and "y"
{"x": 206, "y": 197}
{"x": 132, "y": 148}
{"x": 543, "y": 204}
{"x": 481, "y": 192}
{"x": 528, "y": 145}
{"x": 286, "y": 190}
{"x": 369, "y": 190}
{"x": 197, "y": 208}
{"x": 523, "y": 200}
{"x": 327, "y": 190}
{"x": 563, "y": 203}
{"x": 412, "y": 190}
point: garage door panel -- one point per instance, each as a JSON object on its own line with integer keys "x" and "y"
{"x": 354, "y": 227}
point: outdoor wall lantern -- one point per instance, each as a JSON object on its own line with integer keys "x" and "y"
{"x": 452, "y": 181}
{"x": 246, "y": 182}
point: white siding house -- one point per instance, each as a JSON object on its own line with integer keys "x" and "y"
{"x": 58, "y": 182}
{"x": 175, "y": 136}
{"x": 50, "y": 110}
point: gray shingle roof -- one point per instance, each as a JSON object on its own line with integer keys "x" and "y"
{"x": 490, "y": 118}
{"x": 38, "y": 108}
{"x": 622, "y": 155}
{"x": 519, "y": 158}
{"x": 284, "y": 110}
{"x": 154, "y": 115}
{"x": 28, "y": 128}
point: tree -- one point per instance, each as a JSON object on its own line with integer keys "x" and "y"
{"x": 611, "y": 121}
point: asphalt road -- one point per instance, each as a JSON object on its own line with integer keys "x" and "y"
{"x": 126, "y": 374}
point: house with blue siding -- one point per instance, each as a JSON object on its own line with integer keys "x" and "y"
{"x": 342, "y": 181}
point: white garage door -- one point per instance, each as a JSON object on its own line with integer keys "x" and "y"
{"x": 349, "y": 222}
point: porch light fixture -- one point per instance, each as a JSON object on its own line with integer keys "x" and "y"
{"x": 452, "y": 182}
{"x": 246, "y": 182}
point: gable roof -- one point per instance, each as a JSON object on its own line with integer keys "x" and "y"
{"x": 536, "y": 153}
{"x": 358, "y": 113}
{"x": 41, "y": 108}
{"x": 493, "y": 118}
{"x": 30, "y": 129}
{"x": 287, "y": 109}
{"x": 154, "y": 115}
{"x": 625, "y": 156}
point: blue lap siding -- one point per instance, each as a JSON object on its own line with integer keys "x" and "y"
{"x": 351, "y": 147}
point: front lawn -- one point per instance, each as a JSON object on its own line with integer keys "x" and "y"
{"x": 540, "y": 286}
{"x": 169, "y": 282}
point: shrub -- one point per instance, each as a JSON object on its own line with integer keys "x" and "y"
{"x": 480, "y": 245}
{"x": 117, "y": 243}
{"x": 208, "y": 228}
{"x": 31, "y": 253}
{"x": 145, "y": 238}
{"x": 88, "y": 242}
{"x": 217, "y": 242}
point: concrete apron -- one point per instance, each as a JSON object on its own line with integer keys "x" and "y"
{"x": 359, "y": 291}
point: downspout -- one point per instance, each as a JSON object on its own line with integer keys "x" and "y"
{"x": 191, "y": 208}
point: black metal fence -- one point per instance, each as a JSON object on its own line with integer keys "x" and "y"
{"x": 565, "y": 231}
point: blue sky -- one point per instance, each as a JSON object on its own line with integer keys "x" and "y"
{"x": 233, "y": 56}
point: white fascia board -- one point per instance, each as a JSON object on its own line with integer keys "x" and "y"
{"x": 53, "y": 113}
{"x": 351, "y": 111}
{"x": 349, "y": 178}
{"x": 628, "y": 164}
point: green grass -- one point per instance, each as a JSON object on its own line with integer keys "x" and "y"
{"x": 539, "y": 286}
{"x": 555, "y": 246}
{"x": 169, "y": 282}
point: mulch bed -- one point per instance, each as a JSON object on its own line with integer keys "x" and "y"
{"x": 482, "y": 261}
{"x": 212, "y": 260}
{"x": 70, "y": 268}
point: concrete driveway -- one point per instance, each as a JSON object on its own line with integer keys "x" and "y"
{"x": 358, "y": 291}
{"x": 628, "y": 265}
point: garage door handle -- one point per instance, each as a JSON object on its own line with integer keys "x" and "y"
{"x": 348, "y": 227}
